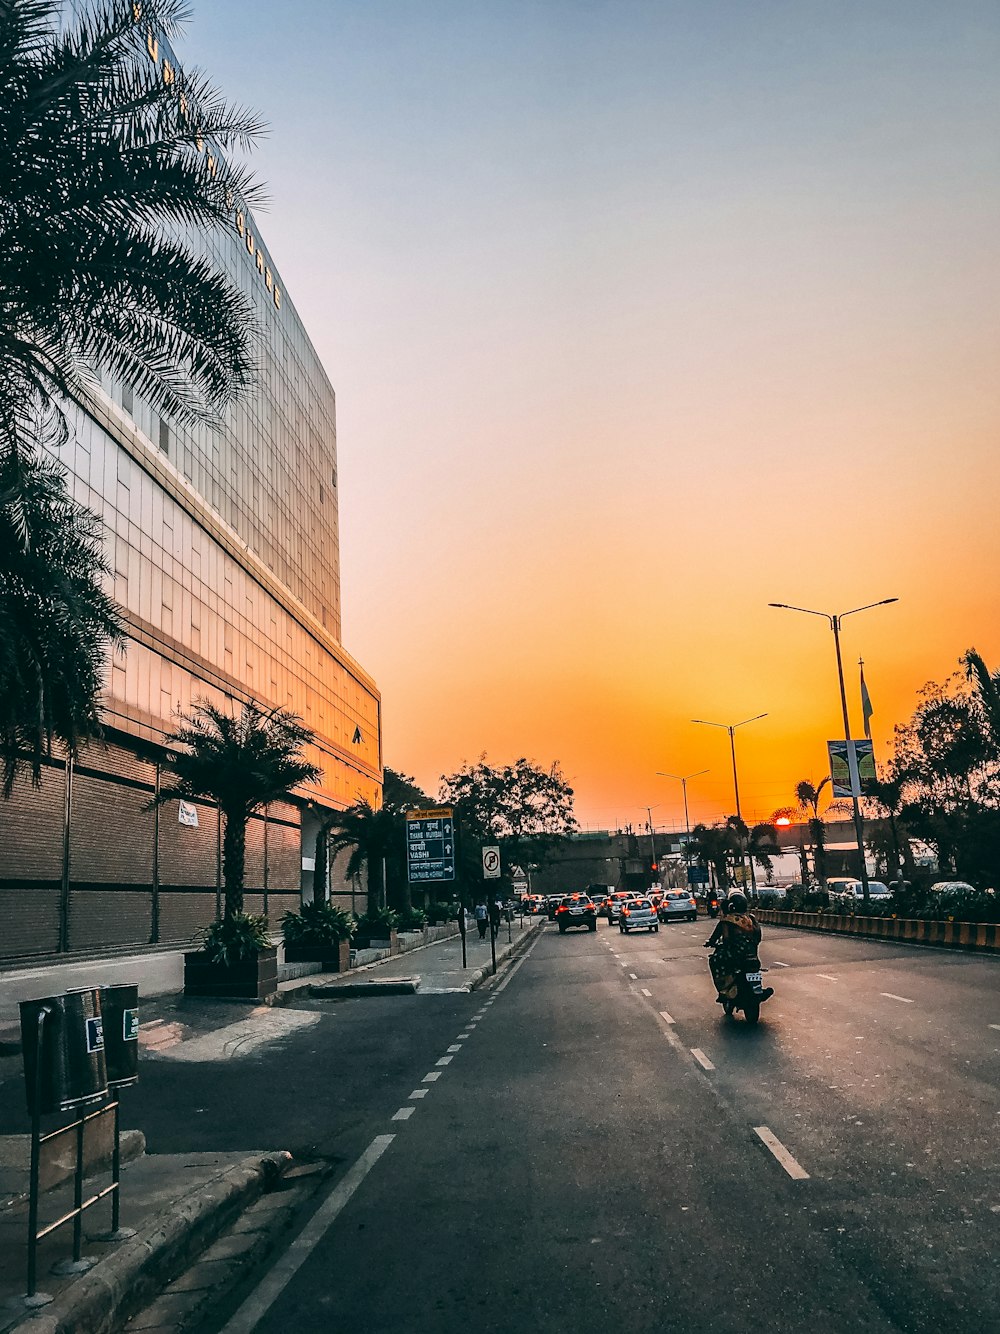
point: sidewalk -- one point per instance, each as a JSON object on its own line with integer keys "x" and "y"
{"x": 179, "y": 1204}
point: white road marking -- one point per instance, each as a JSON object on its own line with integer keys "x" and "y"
{"x": 420, "y": 1093}
{"x": 623, "y": 963}
{"x": 430, "y": 1078}
{"x": 777, "y": 964}
{"x": 891, "y": 996}
{"x": 444, "y": 1060}
{"x": 523, "y": 959}
{"x": 281, "y": 1273}
{"x": 455, "y": 1046}
{"x": 702, "y": 1059}
{"x": 667, "y": 1019}
{"x": 404, "y": 1113}
{"x": 827, "y": 977}
{"x": 463, "y": 1035}
{"x": 794, "y": 1169}
{"x": 996, "y": 1026}
{"x": 646, "y": 992}
{"x": 633, "y": 977}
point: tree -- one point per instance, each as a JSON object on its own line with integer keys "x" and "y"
{"x": 522, "y": 806}
{"x": 714, "y": 846}
{"x": 372, "y": 835}
{"x": 242, "y": 763}
{"x": 986, "y": 685}
{"x": 808, "y": 796}
{"x": 110, "y": 169}
{"x": 57, "y": 624}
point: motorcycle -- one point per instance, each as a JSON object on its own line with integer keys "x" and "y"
{"x": 740, "y": 984}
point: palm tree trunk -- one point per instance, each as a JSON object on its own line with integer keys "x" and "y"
{"x": 321, "y": 863}
{"x": 376, "y": 883}
{"x": 234, "y": 861}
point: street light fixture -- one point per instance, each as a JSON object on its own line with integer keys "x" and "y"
{"x": 684, "y": 786}
{"x": 731, "y": 728}
{"x": 834, "y": 619}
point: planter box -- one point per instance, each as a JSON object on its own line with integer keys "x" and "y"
{"x": 390, "y": 942}
{"x": 334, "y": 958}
{"x": 251, "y": 979}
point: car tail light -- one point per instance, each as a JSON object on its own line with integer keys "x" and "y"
{"x": 562, "y": 908}
{"x": 694, "y": 903}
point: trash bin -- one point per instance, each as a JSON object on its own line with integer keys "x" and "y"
{"x": 120, "y": 1011}
{"x": 73, "y": 1067}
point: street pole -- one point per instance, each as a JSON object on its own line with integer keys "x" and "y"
{"x": 834, "y": 619}
{"x": 731, "y": 729}
{"x": 652, "y": 842}
{"x": 683, "y": 780}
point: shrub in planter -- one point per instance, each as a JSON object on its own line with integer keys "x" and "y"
{"x": 376, "y": 925}
{"x": 414, "y": 920}
{"x": 317, "y": 924}
{"x": 236, "y": 938}
{"x": 439, "y": 912}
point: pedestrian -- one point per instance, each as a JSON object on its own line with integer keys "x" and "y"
{"x": 482, "y": 919}
{"x": 495, "y": 912}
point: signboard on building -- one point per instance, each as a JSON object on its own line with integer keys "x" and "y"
{"x": 430, "y": 845}
{"x": 697, "y": 875}
{"x": 852, "y": 767}
{"x": 187, "y": 814}
{"x": 491, "y": 863}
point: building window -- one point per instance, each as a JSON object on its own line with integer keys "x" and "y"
{"x": 127, "y": 399}
{"x": 165, "y": 437}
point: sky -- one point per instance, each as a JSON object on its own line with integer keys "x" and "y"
{"x": 642, "y": 316}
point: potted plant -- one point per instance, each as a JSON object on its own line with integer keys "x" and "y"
{"x": 319, "y": 933}
{"x": 377, "y": 928}
{"x": 237, "y": 960}
{"x": 242, "y": 763}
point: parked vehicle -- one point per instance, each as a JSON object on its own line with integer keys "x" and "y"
{"x": 678, "y": 904}
{"x": 739, "y": 983}
{"x": 576, "y": 910}
{"x": 853, "y": 889}
{"x": 952, "y": 887}
{"x": 638, "y": 914}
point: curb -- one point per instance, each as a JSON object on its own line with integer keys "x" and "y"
{"x": 126, "y": 1282}
{"x": 485, "y": 974}
{"x": 397, "y": 986}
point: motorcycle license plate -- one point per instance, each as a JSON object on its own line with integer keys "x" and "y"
{"x": 753, "y": 977}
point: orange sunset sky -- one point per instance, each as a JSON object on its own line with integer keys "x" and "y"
{"x": 641, "y": 316}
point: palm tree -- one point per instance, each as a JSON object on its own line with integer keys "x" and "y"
{"x": 374, "y": 836}
{"x": 987, "y": 688}
{"x": 808, "y": 797}
{"x": 112, "y": 166}
{"x": 56, "y": 622}
{"x": 242, "y": 763}
{"x": 714, "y": 845}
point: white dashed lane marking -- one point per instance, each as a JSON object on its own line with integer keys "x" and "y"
{"x": 794, "y": 1169}
{"x": 826, "y": 977}
{"x": 778, "y": 964}
{"x": 702, "y": 1059}
{"x": 455, "y": 1046}
{"x": 646, "y": 991}
{"x": 419, "y": 1093}
{"x": 444, "y": 1060}
{"x": 667, "y": 1019}
{"x": 404, "y": 1113}
{"x": 996, "y": 1026}
{"x": 430, "y": 1078}
{"x": 889, "y": 995}
{"x": 633, "y": 977}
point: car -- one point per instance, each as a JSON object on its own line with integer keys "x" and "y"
{"x": 551, "y": 904}
{"x": 678, "y": 903}
{"x": 638, "y": 914}
{"x": 854, "y": 889}
{"x": 952, "y": 887}
{"x": 576, "y": 910}
{"x": 613, "y": 904}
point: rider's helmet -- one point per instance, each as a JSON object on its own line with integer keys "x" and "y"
{"x": 737, "y": 902}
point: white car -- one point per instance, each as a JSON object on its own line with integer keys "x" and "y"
{"x": 952, "y": 887}
{"x": 854, "y": 889}
{"x": 636, "y": 915}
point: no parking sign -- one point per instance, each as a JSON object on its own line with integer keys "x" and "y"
{"x": 491, "y": 863}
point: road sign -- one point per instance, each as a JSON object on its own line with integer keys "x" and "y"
{"x": 430, "y": 845}
{"x": 491, "y": 863}
{"x": 697, "y": 875}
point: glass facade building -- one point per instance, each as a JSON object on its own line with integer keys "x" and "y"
{"x": 223, "y": 544}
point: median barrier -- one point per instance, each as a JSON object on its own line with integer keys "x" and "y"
{"x": 980, "y": 937}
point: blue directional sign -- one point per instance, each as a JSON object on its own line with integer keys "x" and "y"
{"x": 430, "y": 845}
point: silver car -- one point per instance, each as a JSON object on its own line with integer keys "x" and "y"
{"x": 678, "y": 903}
{"x": 639, "y": 914}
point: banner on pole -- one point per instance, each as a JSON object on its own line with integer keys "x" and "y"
{"x": 852, "y": 767}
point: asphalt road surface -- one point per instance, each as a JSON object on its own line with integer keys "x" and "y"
{"x": 589, "y": 1145}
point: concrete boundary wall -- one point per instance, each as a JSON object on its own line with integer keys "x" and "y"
{"x": 983, "y": 937}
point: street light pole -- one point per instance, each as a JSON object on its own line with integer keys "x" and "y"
{"x": 834, "y": 619}
{"x": 652, "y": 840}
{"x": 684, "y": 788}
{"x": 731, "y": 729}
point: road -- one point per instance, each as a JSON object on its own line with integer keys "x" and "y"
{"x": 582, "y": 1146}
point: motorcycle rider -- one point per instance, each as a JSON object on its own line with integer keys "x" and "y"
{"x": 737, "y": 935}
